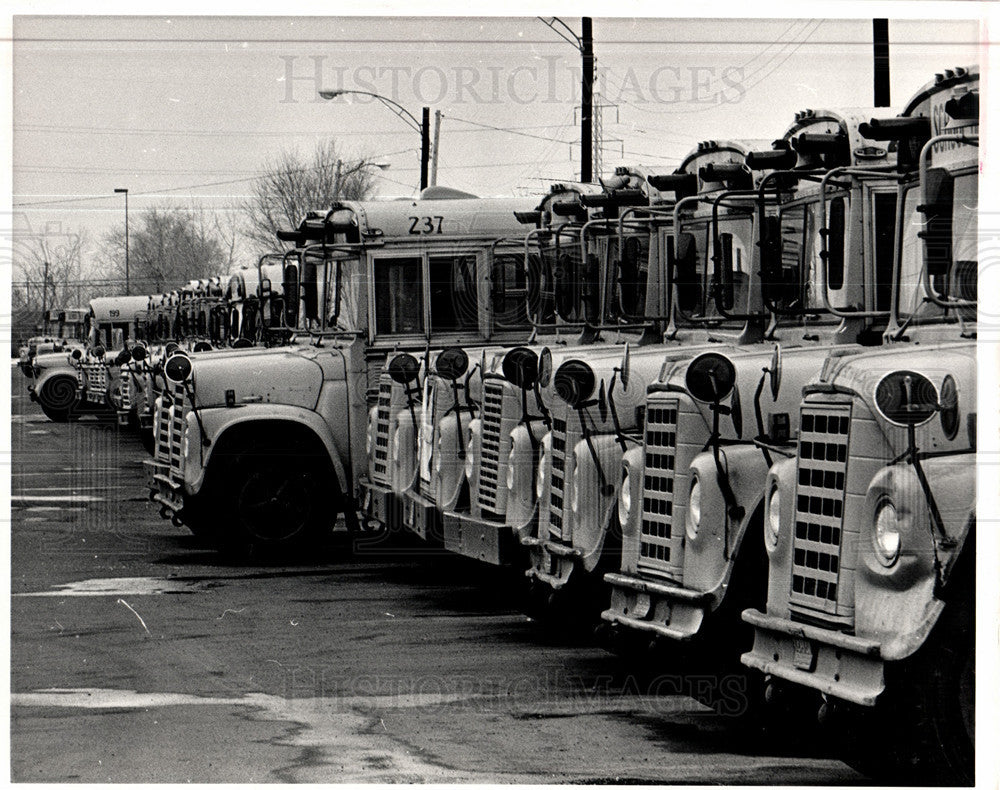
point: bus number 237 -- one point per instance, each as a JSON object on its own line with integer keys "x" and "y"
{"x": 423, "y": 225}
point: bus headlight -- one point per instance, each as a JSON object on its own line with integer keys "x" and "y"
{"x": 693, "y": 520}
{"x": 395, "y": 443}
{"x": 468, "y": 458}
{"x": 772, "y": 520}
{"x": 510, "y": 470}
{"x": 886, "y": 538}
{"x": 625, "y": 497}
{"x": 543, "y": 471}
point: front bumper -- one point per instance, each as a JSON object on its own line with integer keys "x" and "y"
{"x": 552, "y": 563}
{"x": 379, "y": 504}
{"x": 488, "y": 541}
{"x": 830, "y": 662}
{"x": 421, "y": 517}
{"x": 655, "y": 607}
{"x": 168, "y": 493}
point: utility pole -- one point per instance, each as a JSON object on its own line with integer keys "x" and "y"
{"x": 434, "y": 148}
{"x": 125, "y": 192}
{"x": 425, "y": 146}
{"x": 336, "y": 179}
{"x": 587, "y": 101}
{"x": 880, "y": 42}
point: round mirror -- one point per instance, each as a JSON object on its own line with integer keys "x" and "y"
{"x": 123, "y": 357}
{"x": 138, "y": 353}
{"x": 451, "y": 363}
{"x": 905, "y": 398}
{"x": 177, "y": 369}
{"x": 404, "y": 368}
{"x": 202, "y": 345}
{"x": 710, "y": 377}
{"x": 520, "y": 367}
{"x": 574, "y": 382}
{"x": 171, "y": 348}
{"x": 775, "y": 372}
{"x": 99, "y": 352}
{"x": 545, "y": 367}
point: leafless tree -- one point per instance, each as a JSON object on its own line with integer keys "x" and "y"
{"x": 167, "y": 247}
{"x": 291, "y": 185}
{"x": 47, "y": 273}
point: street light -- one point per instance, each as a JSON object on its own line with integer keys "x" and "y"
{"x": 422, "y": 128}
{"x": 125, "y": 192}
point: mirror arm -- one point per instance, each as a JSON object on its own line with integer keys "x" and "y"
{"x": 593, "y": 453}
{"x": 614, "y": 412}
{"x": 925, "y": 154}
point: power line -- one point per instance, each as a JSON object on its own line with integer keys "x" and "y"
{"x": 191, "y": 186}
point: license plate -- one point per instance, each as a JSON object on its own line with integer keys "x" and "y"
{"x": 94, "y": 397}
{"x": 805, "y": 655}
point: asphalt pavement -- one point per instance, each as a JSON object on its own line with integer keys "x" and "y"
{"x": 139, "y": 655}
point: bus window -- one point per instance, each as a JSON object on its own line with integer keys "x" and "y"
{"x": 884, "y": 223}
{"x": 399, "y": 302}
{"x": 454, "y": 294}
{"x": 509, "y": 291}
{"x": 964, "y": 235}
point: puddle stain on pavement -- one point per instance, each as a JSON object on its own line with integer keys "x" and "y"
{"x": 336, "y": 736}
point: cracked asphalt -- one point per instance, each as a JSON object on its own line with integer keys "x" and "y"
{"x": 137, "y": 655}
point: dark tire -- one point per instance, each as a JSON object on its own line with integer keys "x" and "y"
{"x": 276, "y": 502}
{"x": 148, "y": 440}
{"x": 57, "y": 397}
{"x": 929, "y": 704}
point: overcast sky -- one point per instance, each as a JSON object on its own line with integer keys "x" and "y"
{"x": 185, "y": 110}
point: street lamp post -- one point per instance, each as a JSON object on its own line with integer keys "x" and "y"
{"x": 125, "y": 192}
{"x": 422, "y": 127}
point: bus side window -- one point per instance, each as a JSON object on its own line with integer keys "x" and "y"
{"x": 686, "y": 273}
{"x": 508, "y": 291}
{"x": 454, "y": 294}
{"x": 399, "y": 296}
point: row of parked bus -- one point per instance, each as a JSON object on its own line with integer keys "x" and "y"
{"x": 729, "y": 411}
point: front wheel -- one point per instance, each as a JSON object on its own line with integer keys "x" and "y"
{"x": 57, "y": 397}
{"x": 276, "y": 502}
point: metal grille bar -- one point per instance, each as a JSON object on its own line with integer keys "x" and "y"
{"x": 819, "y": 505}
{"x": 489, "y": 464}
{"x": 657, "y": 536}
{"x": 383, "y": 410}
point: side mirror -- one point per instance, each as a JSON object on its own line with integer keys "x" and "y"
{"x": 451, "y": 363}
{"x": 177, "y": 369}
{"x": 123, "y": 357}
{"x": 710, "y": 377}
{"x": 520, "y": 367}
{"x": 775, "y": 372}
{"x": 625, "y": 371}
{"x": 139, "y": 353}
{"x": 99, "y": 352}
{"x": 939, "y": 191}
{"x": 404, "y": 368}
{"x": 545, "y": 367}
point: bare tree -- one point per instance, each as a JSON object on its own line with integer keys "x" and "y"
{"x": 167, "y": 247}
{"x": 291, "y": 185}
{"x": 47, "y": 273}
